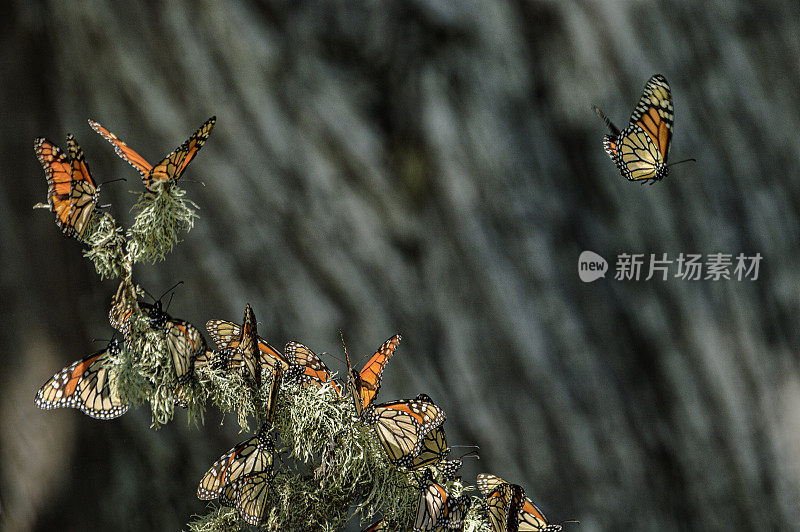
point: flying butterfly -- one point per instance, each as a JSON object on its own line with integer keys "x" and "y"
{"x": 84, "y": 385}
{"x": 171, "y": 167}
{"x": 640, "y": 151}
{"x": 310, "y": 369}
{"x": 401, "y": 426}
{"x": 229, "y": 335}
{"x": 437, "y": 510}
{"x": 510, "y": 510}
{"x": 364, "y": 384}
{"x": 71, "y": 192}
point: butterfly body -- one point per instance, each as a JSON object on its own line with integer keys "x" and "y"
{"x": 640, "y": 150}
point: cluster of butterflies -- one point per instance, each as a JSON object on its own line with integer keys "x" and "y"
{"x": 409, "y": 431}
{"x": 640, "y": 150}
{"x": 72, "y": 193}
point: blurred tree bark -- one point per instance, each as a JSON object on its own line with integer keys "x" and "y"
{"x": 431, "y": 168}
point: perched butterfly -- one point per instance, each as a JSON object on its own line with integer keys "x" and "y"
{"x": 254, "y": 455}
{"x": 229, "y": 335}
{"x": 84, "y": 385}
{"x": 437, "y": 509}
{"x": 510, "y": 510}
{"x": 171, "y": 167}
{"x": 185, "y": 343}
{"x": 122, "y": 307}
{"x": 364, "y": 385}
{"x": 310, "y": 369}
{"x": 640, "y": 150}
{"x": 401, "y": 426}
{"x": 71, "y": 193}
{"x": 241, "y": 477}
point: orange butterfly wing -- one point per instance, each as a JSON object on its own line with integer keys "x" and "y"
{"x": 169, "y": 168}
{"x": 174, "y": 164}
{"x": 315, "y": 372}
{"x": 84, "y": 385}
{"x": 83, "y": 190}
{"x": 123, "y": 150}
{"x": 654, "y": 113}
{"x": 58, "y": 172}
{"x": 367, "y": 382}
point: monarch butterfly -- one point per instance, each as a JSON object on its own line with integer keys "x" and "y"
{"x": 185, "y": 343}
{"x": 364, "y": 385}
{"x": 254, "y": 455}
{"x": 71, "y": 193}
{"x": 122, "y": 308}
{"x": 249, "y": 457}
{"x": 84, "y": 385}
{"x": 437, "y": 509}
{"x": 510, "y": 509}
{"x": 310, "y": 369}
{"x": 401, "y": 426}
{"x": 640, "y": 150}
{"x": 229, "y": 335}
{"x": 171, "y": 167}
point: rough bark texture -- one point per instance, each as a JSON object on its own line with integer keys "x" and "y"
{"x": 431, "y": 168}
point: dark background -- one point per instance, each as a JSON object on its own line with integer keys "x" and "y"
{"x": 431, "y": 168}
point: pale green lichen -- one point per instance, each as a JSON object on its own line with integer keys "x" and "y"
{"x": 159, "y": 220}
{"x": 106, "y": 243}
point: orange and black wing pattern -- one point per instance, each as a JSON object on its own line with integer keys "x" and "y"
{"x": 510, "y": 509}
{"x": 184, "y": 343}
{"x": 168, "y": 169}
{"x": 58, "y": 172}
{"x": 311, "y": 371}
{"x": 123, "y": 150}
{"x": 84, "y": 192}
{"x": 364, "y": 385}
{"x": 174, "y": 164}
{"x": 84, "y": 385}
{"x": 640, "y": 151}
{"x": 71, "y": 191}
{"x": 401, "y": 426}
{"x": 254, "y": 455}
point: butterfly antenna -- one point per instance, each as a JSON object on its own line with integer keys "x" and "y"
{"x": 187, "y": 180}
{"x": 104, "y": 183}
{"x": 609, "y": 124}
{"x": 683, "y": 161}
{"x": 148, "y": 294}
{"x": 176, "y": 285}
{"x": 571, "y": 521}
{"x": 101, "y": 339}
{"x": 325, "y": 353}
